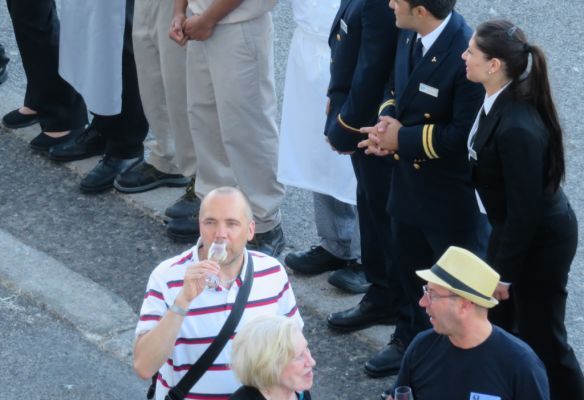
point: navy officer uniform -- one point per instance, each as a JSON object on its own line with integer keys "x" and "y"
{"x": 432, "y": 202}
{"x": 362, "y": 40}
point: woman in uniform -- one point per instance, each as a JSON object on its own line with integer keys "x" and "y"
{"x": 516, "y": 150}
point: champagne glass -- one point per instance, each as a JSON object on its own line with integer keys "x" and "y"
{"x": 403, "y": 393}
{"x": 218, "y": 253}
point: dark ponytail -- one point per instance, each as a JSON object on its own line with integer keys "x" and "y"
{"x": 526, "y": 65}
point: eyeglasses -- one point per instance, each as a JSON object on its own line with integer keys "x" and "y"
{"x": 433, "y": 296}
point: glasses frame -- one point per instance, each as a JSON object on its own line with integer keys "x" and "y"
{"x": 431, "y": 296}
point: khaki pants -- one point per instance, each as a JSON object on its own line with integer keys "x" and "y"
{"x": 161, "y": 66}
{"x": 232, "y": 113}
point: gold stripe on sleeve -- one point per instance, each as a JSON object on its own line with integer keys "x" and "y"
{"x": 430, "y": 141}
{"x": 346, "y": 126}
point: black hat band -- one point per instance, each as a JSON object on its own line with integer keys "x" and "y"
{"x": 455, "y": 282}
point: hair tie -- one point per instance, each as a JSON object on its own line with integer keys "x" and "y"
{"x": 528, "y": 67}
{"x": 511, "y": 31}
{"x": 526, "y": 47}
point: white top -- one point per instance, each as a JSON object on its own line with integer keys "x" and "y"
{"x": 270, "y": 294}
{"x": 314, "y": 16}
{"x": 247, "y": 10}
{"x": 90, "y": 51}
{"x": 487, "y": 105}
{"x": 430, "y": 38}
{"x": 305, "y": 160}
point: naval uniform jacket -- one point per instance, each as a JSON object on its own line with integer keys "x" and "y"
{"x": 510, "y": 174}
{"x": 362, "y": 41}
{"x": 436, "y": 105}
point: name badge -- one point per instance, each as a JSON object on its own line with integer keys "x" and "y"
{"x": 344, "y": 27}
{"x": 432, "y": 91}
{"x": 482, "y": 396}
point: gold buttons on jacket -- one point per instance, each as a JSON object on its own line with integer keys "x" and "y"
{"x": 427, "y": 116}
{"x": 396, "y": 157}
{"x": 416, "y": 166}
{"x": 338, "y": 36}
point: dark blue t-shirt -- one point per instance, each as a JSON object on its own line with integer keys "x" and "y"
{"x": 501, "y": 368}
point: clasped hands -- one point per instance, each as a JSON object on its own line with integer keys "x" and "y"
{"x": 381, "y": 138}
{"x": 194, "y": 27}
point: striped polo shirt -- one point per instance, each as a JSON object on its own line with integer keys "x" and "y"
{"x": 270, "y": 294}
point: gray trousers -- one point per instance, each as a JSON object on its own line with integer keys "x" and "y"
{"x": 337, "y": 225}
{"x": 161, "y": 67}
{"x": 232, "y": 103}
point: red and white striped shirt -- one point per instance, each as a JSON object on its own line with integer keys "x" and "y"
{"x": 270, "y": 294}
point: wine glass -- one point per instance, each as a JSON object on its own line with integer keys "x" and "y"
{"x": 403, "y": 393}
{"x": 218, "y": 253}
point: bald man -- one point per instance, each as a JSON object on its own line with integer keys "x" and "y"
{"x": 180, "y": 313}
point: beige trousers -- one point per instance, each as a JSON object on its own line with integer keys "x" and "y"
{"x": 232, "y": 113}
{"x": 161, "y": 66}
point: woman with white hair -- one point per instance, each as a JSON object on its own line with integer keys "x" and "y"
{"x": 272, "y": 360}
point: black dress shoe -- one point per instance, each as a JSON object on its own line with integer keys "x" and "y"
{"x": 43, "y": 142}
{"x": 188, "y": 204}
{"x": 14, "y": 119}
{"x": 270, "y": 243}
{"x": 363, "y": 315}
{"x": 388, "y": 361}
{"x": 3, "y": 74}
{"x": 183, "y": 230}
{"x": 90, "y": 142}
{"x": 314, "y": 261}
{"x": 143, "y": 177}
{"x": 350, "y": 279}
{"x": 102, "y": 176}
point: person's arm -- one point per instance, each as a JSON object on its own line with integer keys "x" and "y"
{"x": 176, "y": 24}
{"x": 287, "y": 305}
{"x": 522, "y": 153}
{"x": 200, "y": 27}
{"x": 531, "y": 381}
{"x": 154, "y": 347}
{"x": 374, "y": 65}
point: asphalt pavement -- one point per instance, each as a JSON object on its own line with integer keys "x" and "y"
{"x": 84, "y": 260}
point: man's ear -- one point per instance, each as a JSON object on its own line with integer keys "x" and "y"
{"x": 420, "y": 11}
{"x": 251, "y": 230}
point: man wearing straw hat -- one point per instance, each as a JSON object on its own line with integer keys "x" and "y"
{"x": 464, "y": 356}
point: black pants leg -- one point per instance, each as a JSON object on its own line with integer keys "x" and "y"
{"x": 36, "y": 28}
{"x": 373, "y": 187}
{"x": 538, "y": 305}
{"x": 125, "y": 132}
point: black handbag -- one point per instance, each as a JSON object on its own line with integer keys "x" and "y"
{"x": 181, "y": 389}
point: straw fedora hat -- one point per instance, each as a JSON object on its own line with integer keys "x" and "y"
{"x": 463, "y": 273}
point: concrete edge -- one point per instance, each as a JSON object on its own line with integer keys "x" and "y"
{"x": 102, "y": 317}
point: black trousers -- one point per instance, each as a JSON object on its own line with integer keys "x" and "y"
{"x": 373, "y": 186}
{"x": 125, "y": 132}
{"x": 36, "y": 28}
{"x": 418, "y": 248}
{"x": 537, "y": 306}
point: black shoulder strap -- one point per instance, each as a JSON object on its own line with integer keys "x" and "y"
{"x": 208, "y": 357}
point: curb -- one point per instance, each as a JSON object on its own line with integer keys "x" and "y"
{"x": 104, "y": 319}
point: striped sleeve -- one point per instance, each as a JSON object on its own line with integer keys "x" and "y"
{"x": 287, "y": 301}
{"x": 154, "y": 306}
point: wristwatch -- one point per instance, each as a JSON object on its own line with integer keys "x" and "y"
{"x": 178, "y": 310}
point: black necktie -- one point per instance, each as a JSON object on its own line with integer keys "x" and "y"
{"x": 417, "y": 54}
